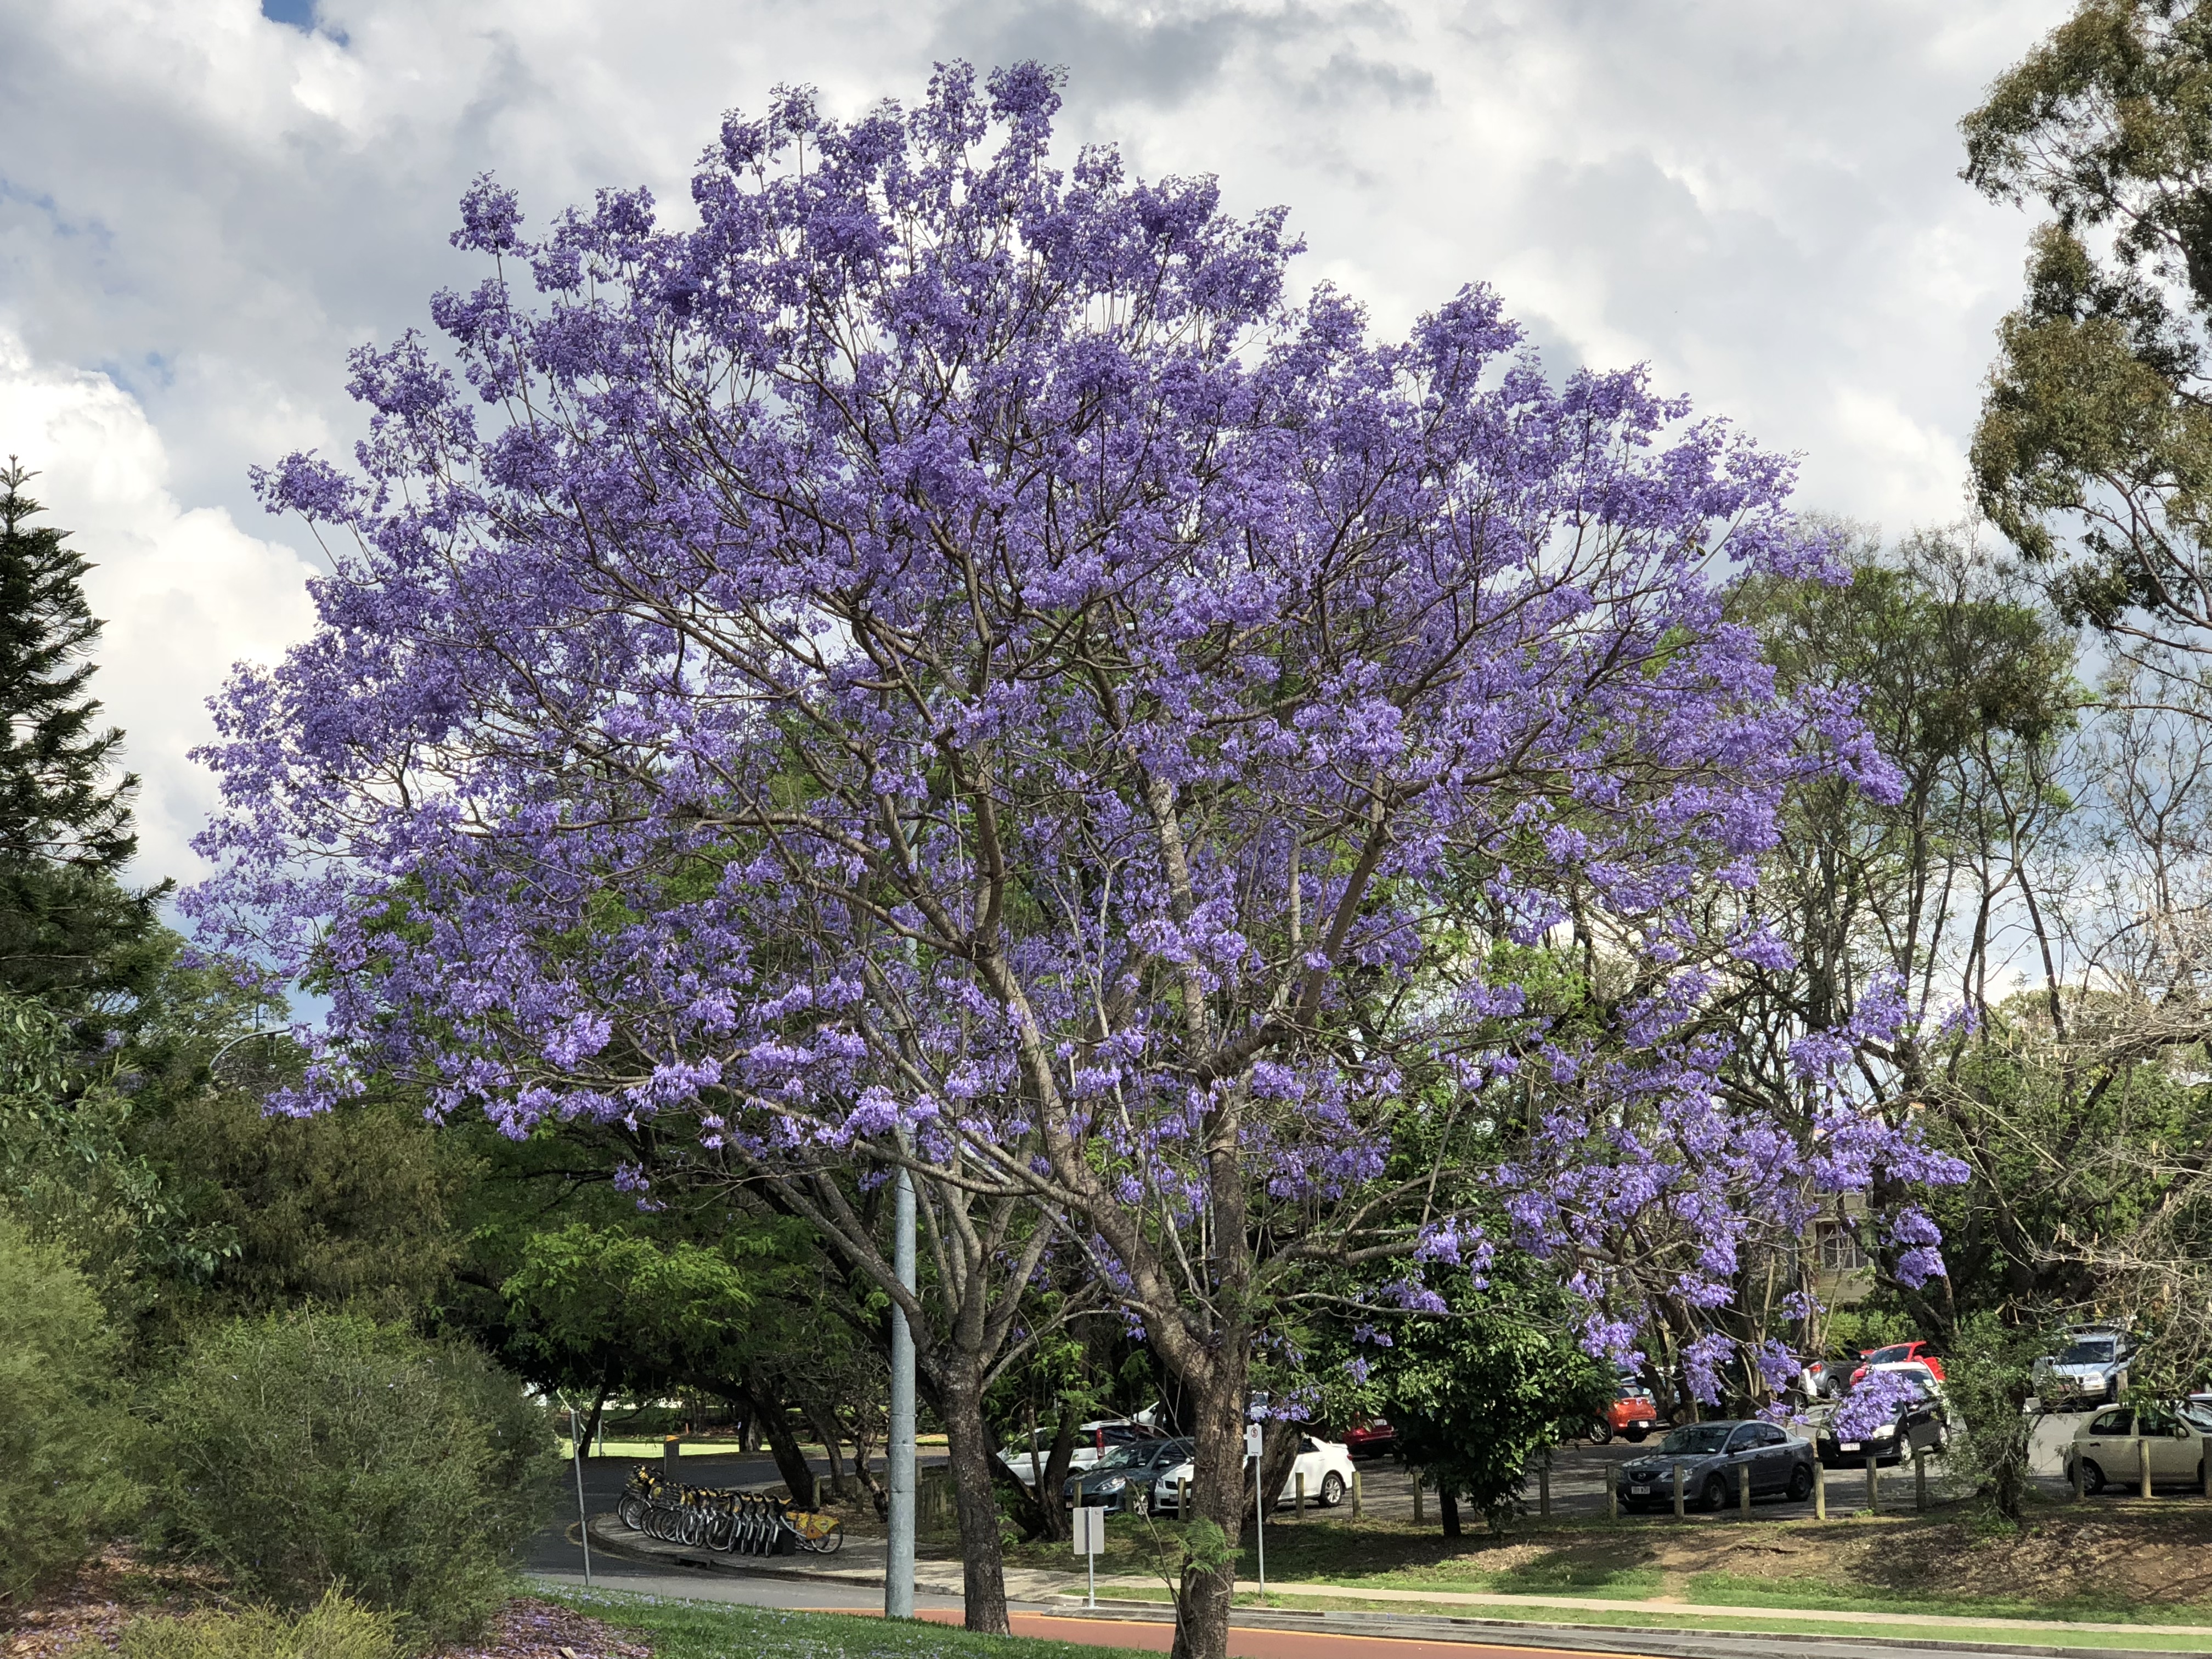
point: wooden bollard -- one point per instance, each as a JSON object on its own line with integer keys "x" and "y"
{"x": 1301, "y": 1496}
{"x": 1874, "y": 1488}
{"x": 1417, "y": 1497}
{"x": 1920, "y": 1477}
{"x": 2142, "y": 1463}
{"x": 1678, "y": 1492}
{"x": 1820, "y": 1490}
{"x": 1743, "y": 1490}
{"x": 1355, "y": 1495}
{"x": 1612, "y": 1491}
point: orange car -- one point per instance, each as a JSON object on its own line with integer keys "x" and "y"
{"x": 1632, "y": 1416}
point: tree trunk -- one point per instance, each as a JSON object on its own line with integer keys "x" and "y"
{"x": 1216, "y": 1405}
{"x": 775, "y": 1425}
{"x": 824, "y": 1424}
{"x": 1279, "y": 1455}
{"x": 1056, "y": 1472}
{"x": 982, "y": 1568}
{"x": 591, "y": 1430}
{"x": 1448, "y": 1507}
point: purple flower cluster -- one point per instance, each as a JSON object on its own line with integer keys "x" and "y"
{"x": 945, "y": 660}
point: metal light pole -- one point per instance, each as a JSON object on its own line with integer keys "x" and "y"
{"x": 583, "y": 1515}
{"x": 898, "y": 1451}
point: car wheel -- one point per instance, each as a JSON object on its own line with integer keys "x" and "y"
{"x": 2093, "y": 1478}
{"x": 1716, "y": 1495}
{"x": 1600, "y": 1432}
{"x": 1800, "y": 1484}
{"x": 1635, "y": 1436}
{"x": 1332, "y": 1490}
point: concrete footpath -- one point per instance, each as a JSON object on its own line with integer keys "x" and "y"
{"x": 852, "y": 1579}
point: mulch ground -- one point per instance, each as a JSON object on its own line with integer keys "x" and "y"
{"x": 117, "y": 1587}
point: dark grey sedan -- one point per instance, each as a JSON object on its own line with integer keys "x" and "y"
{"x": 1716, "y": 1459}
{"x": 1122, "y": 1481}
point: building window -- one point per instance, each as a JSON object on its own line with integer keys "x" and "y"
{"x": 1839, "y": 1250}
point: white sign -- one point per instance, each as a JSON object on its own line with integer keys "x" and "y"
{"x": 1252, "y": 1440}
{"x": 1091, "y": 1532}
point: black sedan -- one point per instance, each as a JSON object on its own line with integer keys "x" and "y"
{"x": 1122, "y": 1481}
{"x": 1716, "y": 1459}
{"x": 1920, "y": 1424}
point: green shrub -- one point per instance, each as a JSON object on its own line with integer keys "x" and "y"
{"x": 333, "y": 1628}
{"x": 64, "y": 1432}
{"x": 300, "y": 1450}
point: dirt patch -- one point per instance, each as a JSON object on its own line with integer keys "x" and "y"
{"x": 2141, "y": 1556}
{"x": 527, "y": 1628}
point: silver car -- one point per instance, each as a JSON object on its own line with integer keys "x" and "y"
{"x": 2086, "y": 1371}
{"x": 1716, "y": 1459}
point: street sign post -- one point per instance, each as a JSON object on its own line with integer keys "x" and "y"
{"x": 1254, "y": 1439}
{"x": 1090, "y": 1540}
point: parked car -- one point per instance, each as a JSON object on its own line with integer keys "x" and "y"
{"x": 1823, "y": 1379}
{"x": 1897, "y": 1353}
{"x": 2086, "y": 1371}
{"x": 1922, "y": 1423}
{"x": 2106, "y": 1445}
{"x": 1716, "y": 1459}
{"x": 1371, "y": 1437}
{"x": 1325, "y": 1464}
{"x": 1123, "y": 1480}
{"x": 1632, "y": 1415}
{"x": 1093, "y": 1441}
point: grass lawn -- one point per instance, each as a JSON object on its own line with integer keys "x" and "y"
{"x": 2146, "y": 1566}
{"x": 2148, "y": 1639}
{"x": 697, "y": 1630}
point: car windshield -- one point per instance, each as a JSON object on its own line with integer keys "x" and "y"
{"x": 2087, "y": 1350}
{"x": 1122, "y": 1457}
{"x": 1893, "y": 1356}
{"x": 1699, "y": 1439}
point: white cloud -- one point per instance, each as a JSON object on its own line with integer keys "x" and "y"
{"x": 210, "y": 208}
{"x": 184, "y": 590}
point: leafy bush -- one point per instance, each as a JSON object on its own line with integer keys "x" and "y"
{"x": 333, "y": 1628}
{"x": 63, "y": 1435}
{"x": 300, "y": 1450}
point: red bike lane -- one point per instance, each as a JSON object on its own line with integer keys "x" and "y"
{"x": 1152, "y": 1637}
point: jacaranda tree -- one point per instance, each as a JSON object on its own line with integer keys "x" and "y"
{"x": 948, "y": 664}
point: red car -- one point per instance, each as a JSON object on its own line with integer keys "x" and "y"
{"x": 1370, "y": 1438}
{"x": 1900, "y": 1354}
{"x": 1632, "y": 1415}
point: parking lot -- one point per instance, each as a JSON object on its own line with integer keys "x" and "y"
{"x": 1579, "y": 1476}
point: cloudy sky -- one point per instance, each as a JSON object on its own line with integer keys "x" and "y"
{"x": 203, "y": 203}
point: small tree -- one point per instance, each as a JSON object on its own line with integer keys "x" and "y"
{"x": 1478, "y": 1395}
{"x": 65, "y": 1436}
{"x": 1989, "y": 1382}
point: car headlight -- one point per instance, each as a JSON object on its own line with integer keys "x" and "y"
{"x": 1111, "y": 1483}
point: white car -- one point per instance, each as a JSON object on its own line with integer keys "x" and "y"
{"x": 1092, "y": 1441}
{"x": 2109, "y": 1445}
{"x": 1325, "y": 1464}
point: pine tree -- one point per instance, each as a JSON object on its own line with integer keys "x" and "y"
{"x": 57, "y": 803}
{"x": 71, "y": 935}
